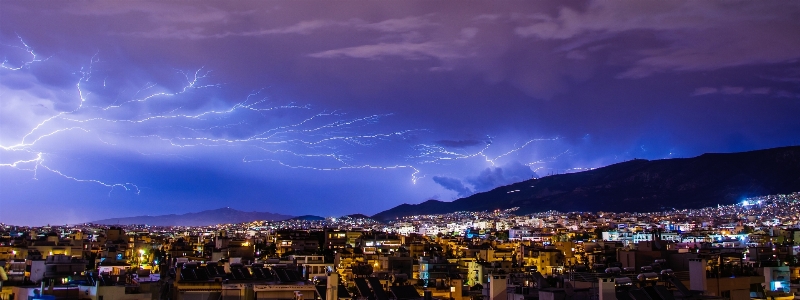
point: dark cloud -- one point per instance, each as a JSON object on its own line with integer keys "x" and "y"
{"x": 16, "y": 82}
{"x": 453, "y": 184}
{"x": 494, "y": 177}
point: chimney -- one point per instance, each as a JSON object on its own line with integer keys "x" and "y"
{"x": 697, "y": 274}
{"x": 607, "y": 289}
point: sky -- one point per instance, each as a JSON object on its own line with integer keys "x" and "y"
{"x": 125, "y": 108}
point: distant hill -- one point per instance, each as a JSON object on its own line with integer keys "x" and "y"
{"x": 206, "y": 217}
{"x": 637, "y": 186}
{"x": 357, "y": 216}
{"x": 308, "y": 218}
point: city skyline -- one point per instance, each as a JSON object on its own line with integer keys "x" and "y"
{"x": 123, "y": 109}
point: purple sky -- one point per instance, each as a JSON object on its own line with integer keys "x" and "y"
{"x": 124, "y": 108}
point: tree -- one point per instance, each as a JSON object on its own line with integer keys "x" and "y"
{"x": 269, "y": 250}
{"x": 598, "y": 232}
{"x": 502, "y": 235}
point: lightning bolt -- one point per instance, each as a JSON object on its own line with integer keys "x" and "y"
{"x": 437, "y": 154}
{"x": 185, "y": 117}
{"x": 34, "y": 58}
{"x": 318, "y": 136}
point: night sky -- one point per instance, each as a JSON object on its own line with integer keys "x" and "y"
{"x": 123, "y": 108}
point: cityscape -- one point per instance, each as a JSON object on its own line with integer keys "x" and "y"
{"x": 399, "y": 150}
{"x": 455, "y": 255}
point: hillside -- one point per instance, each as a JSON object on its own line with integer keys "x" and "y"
{"x": 638, "y": 185}
{"x": 307, "y": 218}
{"x": 206, "y": 217}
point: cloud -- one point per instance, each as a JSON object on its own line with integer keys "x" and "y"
{"x": 469, "y": 33}
{"x": 540, "y": 49}
{"x": 782, "y": 79}
{"x": 487, "y": 17}
{"x": 786, "y": 94}
{"x": 706, "y": 90}
{"x": 405, "y": 50}
{"x": 398, "y": 24}
{"x": 487, "y": 179}
{"x": 306, "y": 27}
{"x": 563, "y": 27}
{"x": 23, "y": 108}
{"x": 157, "y": 11}
{"x": 604, "y": 17}
{"x": 196, "y": 33}
{"x": 760, "y": 91}
{"x": 453, "y": 184}
{"x": 509, "y": 173}
{"x": 698, "y": 35}
{"x": 388, "y": 26}
{"x": 732, "y": 90}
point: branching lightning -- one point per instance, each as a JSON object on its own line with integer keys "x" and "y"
{"x": 157, "y": 120}
{"x": 435, "y": 153}
{"x": 25, "y": 63}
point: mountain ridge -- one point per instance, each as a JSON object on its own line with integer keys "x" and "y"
{"x": 223, "y": 215}
{"x": 637, "y": 185}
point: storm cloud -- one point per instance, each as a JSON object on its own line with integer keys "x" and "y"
{"x": 333, "y": 104}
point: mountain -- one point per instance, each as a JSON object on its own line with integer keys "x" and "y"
{"x": 637, "y": 186}
{"x": 308, "y": 218}
{"x": 206, "y": 217}
{"x": 357, "y": 216}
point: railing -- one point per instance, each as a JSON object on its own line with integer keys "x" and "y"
{"x": 593, "y": 277}
{"x": 584, "y": 276}
{"x": 683, "y": 275}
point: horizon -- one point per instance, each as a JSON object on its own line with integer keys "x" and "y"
{"x": 316, "y": 108}
{"x": 93, "y": 221}
{"x": 508, "y": 211}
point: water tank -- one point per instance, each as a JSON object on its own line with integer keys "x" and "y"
{"x": 647, "y": 277}
{"x": 623, "y": 281}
